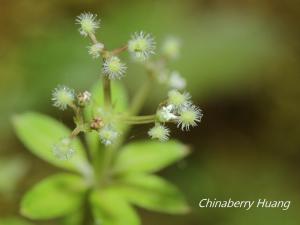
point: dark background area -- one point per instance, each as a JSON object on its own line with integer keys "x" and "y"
{"x": 241, "y": 61}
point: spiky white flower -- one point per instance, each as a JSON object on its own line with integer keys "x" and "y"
{"x": 108, "y": 135}
{"x": 141, "y": 45}
{"x": 63, "y": 150}
{"x": 159, "y": 132}
{"x": 62, "y": 96}
{"x": 176, "y": 81}
{"x": 189, "y": 117}
{"x": 114, "y": 68}
{"x": 88, "y": 23}
{"x": 165, "y": 114}
{"x": 179, "y": 100}
{"x": 94, "y": 50}
{"x": 171, "y": 48}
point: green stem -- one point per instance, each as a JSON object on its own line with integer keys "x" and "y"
{"x": 137, "y": 118}
{"x": 75, "y": 132}
{"x": 137, "y": 104}
{"x": 107, "y": 92}
{"x": 139, "y": 122}
{"x": 119, "y": 50}
{"x": 93, "y": 38}
{"x": 87, "y": 213}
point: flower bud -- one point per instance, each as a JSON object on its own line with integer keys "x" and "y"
{"x": 97, "y": 123}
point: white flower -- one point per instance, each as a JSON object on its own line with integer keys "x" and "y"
{"x": 108, "y": 135}
{"x": 63, "y": 96}
{"x": 141, "y": 45}
{"x": 159, "y": 132}
{"x": 88, "y": 23}
{"x": 179, "y": 100}
{"x": 189, "y": 116}
{"x": 176, "y": 81}
{"x": 114, "y": 68}
{"x": 171, "y": 48}
{"x": 94, "y": 50}
{"x": 63, "y": 150}
{"x": 165, "y": 114}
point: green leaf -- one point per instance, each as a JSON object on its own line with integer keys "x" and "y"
{"x": 53, "y": 197}
{"x": 39, "y": 133}
{"x": 110, "y": 208}
{"x": 149, "y": 156}
{"x": 153, "y": 193}
{"x": 75, "y": 218}
{"x": 13, "y": 221}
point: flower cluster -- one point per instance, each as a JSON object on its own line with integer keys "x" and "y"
{"x": 103, "y": 162}
{"x": 177, "y": 108}
{"x": 64, "y": 97}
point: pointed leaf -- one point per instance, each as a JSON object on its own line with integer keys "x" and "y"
{"x": 153, "y": 193}
{"x": 14, "y": 221}
{"x": 40, "y": 133}
{"x": 111, "y": 209}
{"x": 53, "y": 197}
{"x": 149, "y": 156}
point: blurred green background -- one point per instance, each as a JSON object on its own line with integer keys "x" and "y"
{"x": 241, "y": 60}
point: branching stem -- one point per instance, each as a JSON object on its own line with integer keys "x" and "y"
{"x": 119, "y": 50}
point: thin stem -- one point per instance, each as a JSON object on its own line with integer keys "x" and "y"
{"x": 139, "y": 122}
{"x": 75, "y": 132}
{"x": 93, "y": 38}
{"x": 87, "y": 213}
{"x": 135, "y": 108}
{"x": 119, "y": 50}
{"x": 138, "y": 118}
{"x": 107, "y": 92}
